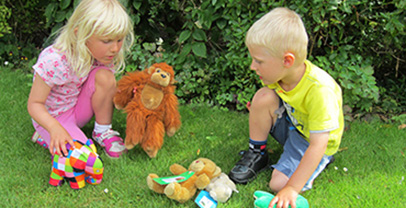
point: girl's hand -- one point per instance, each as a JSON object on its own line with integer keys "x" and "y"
{"x": 59, "y": 138}
{"x": 285, "y": 197}
{"x": 37, "y": 110}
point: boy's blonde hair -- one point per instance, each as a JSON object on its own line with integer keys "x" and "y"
{"x": 99, "y": 17}
{"x": 281, "y": 30}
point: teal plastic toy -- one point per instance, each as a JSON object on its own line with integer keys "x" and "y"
{"x": 263, "y": 199}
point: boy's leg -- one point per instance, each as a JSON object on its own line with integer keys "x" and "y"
{"x": 261, "y": 118}
{"x": 294, "y": 147}
{"x": 96, "y": 98}
{"x": 279, "y": 179}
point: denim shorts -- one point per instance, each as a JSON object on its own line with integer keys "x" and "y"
{"x": 294, "y": 147}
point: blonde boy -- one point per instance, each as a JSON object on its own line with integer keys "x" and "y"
{"x": 300, "y": 105}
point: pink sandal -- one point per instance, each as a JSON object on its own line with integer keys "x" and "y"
{"x": 112, "y": 143}
{"x": 38, "y": 139}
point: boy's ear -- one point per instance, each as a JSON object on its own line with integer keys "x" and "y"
{"x": 288, "y": 59}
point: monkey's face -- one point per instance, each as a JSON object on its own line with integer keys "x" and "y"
{"x": 161, "y": 77}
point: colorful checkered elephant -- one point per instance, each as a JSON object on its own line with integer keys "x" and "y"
{"x": 82, "y": 164}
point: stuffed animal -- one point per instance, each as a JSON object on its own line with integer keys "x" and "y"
{"x": 221, "y": 188}
{"x": 204, "y": 170}
{"x": 263, "y": 199}
{"x": 151, "y": 106}
{"x": 81, "y": 164}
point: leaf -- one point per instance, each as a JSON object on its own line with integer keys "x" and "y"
{"x": 184, "y": 35}
{"x": 199, "y": 35}
{"x": 64, "y": 4}
{"x": 137, "y": 5}
{"x": 60, "y": 16}
{"x": 221, "y": 23}
{"x": 342, "y": 149}
{"x": 402, "y": 126}
{"x": 49, "y": 10}
{"x": 76, "y": 3}
{"x": 211, "y": 138}
{"x": 68, "y": 14}
{"x": 199, "y": 49}
{"x": 186, "y": 50}
{"x": 136, "y": 19}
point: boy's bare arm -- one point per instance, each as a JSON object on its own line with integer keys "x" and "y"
{"x": 310, "y": 160}
{"x": 308, "y": 164}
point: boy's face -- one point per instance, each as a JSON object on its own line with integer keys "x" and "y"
{"x": 269, "y": 69}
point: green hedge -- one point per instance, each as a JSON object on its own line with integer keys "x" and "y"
{"x": 360, "y": 43}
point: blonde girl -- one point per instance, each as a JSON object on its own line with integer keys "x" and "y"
{"x": 74, "y": 78}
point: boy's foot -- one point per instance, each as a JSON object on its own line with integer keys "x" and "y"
{"x": 112, "y": 143}
{"x": 36, "y": 138}
{"x": 248, "y": 167}
{"x": 332, "y": 159}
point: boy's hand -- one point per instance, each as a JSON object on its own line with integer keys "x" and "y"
{"x": 285, "y": 197}
{"x": 59, "y": 138}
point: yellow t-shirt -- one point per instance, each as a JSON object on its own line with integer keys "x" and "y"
{"x": 315, "y": 105}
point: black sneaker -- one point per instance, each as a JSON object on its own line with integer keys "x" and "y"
{"x": 332, "y": 159}
{"x": 248, "y": 167}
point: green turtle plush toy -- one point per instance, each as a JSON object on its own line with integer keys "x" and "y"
{"x": 263, "y": 199}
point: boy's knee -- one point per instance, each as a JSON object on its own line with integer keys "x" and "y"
{"x": 278, "y": 181}
{"x": 275, "y": 186}
{"x": 265, "y": 97}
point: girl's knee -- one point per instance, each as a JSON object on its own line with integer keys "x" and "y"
{"x": 105, "y": 79}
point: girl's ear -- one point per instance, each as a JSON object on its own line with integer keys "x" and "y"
{"x": 288, "y": 60}
{"x": 75, "y": 31}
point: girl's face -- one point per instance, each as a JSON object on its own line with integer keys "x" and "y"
{"x": 104, "y": 48}
{"x": 269, "y": 69}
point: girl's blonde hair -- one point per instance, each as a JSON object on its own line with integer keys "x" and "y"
{"x": 281, "y": 30}
{"x": 99, "y": 17}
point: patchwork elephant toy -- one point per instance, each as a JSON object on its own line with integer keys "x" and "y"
{"x": 81, "y": 164}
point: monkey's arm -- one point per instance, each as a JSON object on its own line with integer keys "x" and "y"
{"x": 126, "y": 88}
{"x": 172, "y": 117}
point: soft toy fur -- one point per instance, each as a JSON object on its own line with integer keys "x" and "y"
{"x": 204, "y": 169}
{"x": 151, "y": 106}
{"x": 221, "y": 188}
{"x": 81, "y": 164}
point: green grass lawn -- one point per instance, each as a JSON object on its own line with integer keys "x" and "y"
{"x": 373, "y": 155}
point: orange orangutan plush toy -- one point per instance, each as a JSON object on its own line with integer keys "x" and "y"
{"x": 151, "y": 106}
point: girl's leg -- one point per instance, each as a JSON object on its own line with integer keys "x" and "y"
{"x": 102, "y": 101}
{"x": 84, "y": 108}
{"x": 68, "y": 121}
{"x": 96, "y": 98}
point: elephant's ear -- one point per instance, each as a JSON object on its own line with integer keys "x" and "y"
{"x": 78, "y": 160}
{"x": 90, "y": 144}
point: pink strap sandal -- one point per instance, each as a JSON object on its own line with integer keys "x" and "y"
{"x": 112, "y": 143}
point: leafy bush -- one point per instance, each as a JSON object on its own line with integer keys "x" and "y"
{"x": 5, "y": 14}
{"x": 213, "y": 63}
{"x": 355, "y": 75}
{"x": 360, "y": 43}
{"x": 26, "y": 25}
